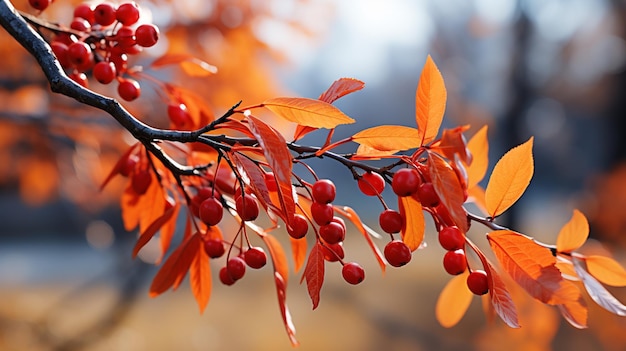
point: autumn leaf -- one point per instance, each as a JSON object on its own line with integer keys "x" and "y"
{"x": 173, "y": 271}
{"x": 298, "y": 252}
{"x": 314, "y": 273}
{"x": 597, "y": 291}
{"x": 341, "y": 87}
{"x": 453, "y": 301}
{"x": 414, "y": 224}
{"x": 606, "y": 270}
{"x": 281, "y": 292}
{"x": 388, "y": 138}
{"x": 200, "y": 278}
{"x": 509, "y": 179}
{"x": 308, "y": 112}
{"x": 117, "y": 168}
{"x": 575, "y": 313}
{"x": 190, "y": 64}
{"x": 145, "y": 237}
{"x": 532, "y": 266}
{"x": 301, "y": 131}
{"x": 573, "y": 234}
{"x": 277, "y": 253}
{"x": 499, "y": 295}
{"x": 364, "y": 152}
{"x": 453, "y": 145}
{"x": 479, "y": 148}
{"x": 430, "y": 102}
{"x": 365, "y": 231}
{"x": 448, "y": 188}
{"x": 251, "y": 170}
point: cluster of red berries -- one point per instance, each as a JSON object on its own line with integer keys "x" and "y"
{"x": 455, "y": 262}
{"x": 99, "y": 39}
{"x": 332, "y": 229}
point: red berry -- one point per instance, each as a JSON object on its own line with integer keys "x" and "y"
{"x": 397, "y": 253}
{"x": 80, "y": 55}
{"x": 79, "y": 78}
{"x": 390, "y": 221}
{"x": 451, "y": 238}
{"x": 125, "y": 38}
{"x": 104, "y": 14}
{"x": 333, "y": 252}
{"x": 40, "y": 4}
{"x": 127, "y": 13}
{"x": 141, "y": 181}
{"x": 60, "y": 51}
{"x": 371, "y": 184}
{"x": 405, "y": 181}
{"x": 225, "y": 277}
{"x": 323, "y": 191}
{"x": 65, "y": 38}
{"x": 236, "y": 267}
{"x": 247, "y": 207}
{"x": 454, "y": 262}
{"x": 322, "y": 213}
{"x": 80, "y": 24}
{"x": 129, "y": 89}
{"x": 255, "y": 257}
{"x": 332, "y": 232}
{"x": 427, "y": 195}
{"x": 104, "y": 72}
{"x": 478, "y": 282}
{"x": 147, "y": 35}
{"x": 128, "y": 167}
{"x": 214, "y": 248}
{"x": 211, "y": 211}
{"x": 178, "y": 114}
{"x": 84, "y": 11}
{"x": 225, "y": 180}
{"x": 120, "y": 60}
{"x": 299, "y": 227}
{"x": 353, "y": 273}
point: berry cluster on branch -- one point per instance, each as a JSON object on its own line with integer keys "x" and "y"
{"x": 204, "y": 168}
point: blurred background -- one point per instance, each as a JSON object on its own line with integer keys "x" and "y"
{"x": 552, "y": 69}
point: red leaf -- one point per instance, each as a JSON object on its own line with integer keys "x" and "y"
{"x": 430, "y": 101}
{"x": 499, "y": 295}
{"x": 341, "y": 87}
{"x": 448, "y": 188}
{"x": 281, "y": 291}
{"x": 145, "y": 237}
{"x": 314, "y": 273}
{"x": 257, "y": 180}
{"x": 414, "y": 224}
{"x": 176, "y": 266}
{"x": 533, "y": 267}
{"x": 200, "y": 278}
{"x": 278, "y": 155}
{"x": 453, "y": 143}
{"x": 302, "y": 131}
{"x": 298, "y": 252}
{"x": 190, "y": 64}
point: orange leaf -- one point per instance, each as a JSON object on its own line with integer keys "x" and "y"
{"x": 153, "y": 228}
{"x": 606, "y": 270}
{"x": 301, "y": 131}
{"x": 190, "y": 64}
{"x": 314, "y": 273}
{"x": 251, "y": 170}
{"x": 277, "y": 253}
{"x": 478, "y": 146}
{"x": 499, "y": 296}
{"x": 532, "y": 266}
{"x": 509, "y": 178}
{"x": 368, "y": 153}
{"x": 308, "y": 112}
{"x": 119, "y": 165}
{"x": 575, "y": 313}
{"x": 414, "y": 224}
{"x": 200, "y": 278}
{"x": 168, "y": 229}
{"x": 350, "y": 214}
{"x": 598, "y": 293}
{"x": 281, "y": 292}
{"x": 388, "y": 138}
{"x": 448, "y": 188}
{"x": 298, "y": 252}
{"x": 453, "y": 301}
{"x": 453, "y": 143}
{"x": 573, "y": 234}
{"x": 176, "y": 266}
{"x": 430, "y": 101}
{"x": 341, "y": 87}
